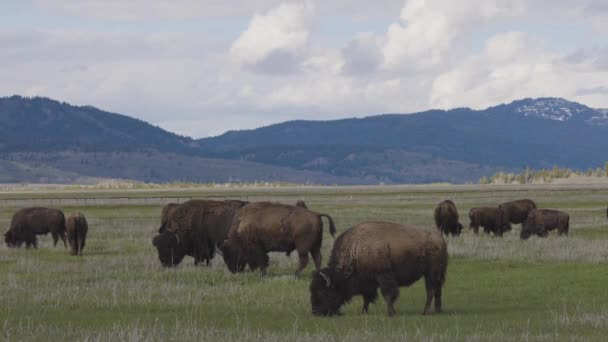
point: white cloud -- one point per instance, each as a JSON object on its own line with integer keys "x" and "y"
{"x": 413, "y": 55}
{"x": 274, "y": 41}
{"x": 432, "y": 31}
{"x": 512, "y": 66}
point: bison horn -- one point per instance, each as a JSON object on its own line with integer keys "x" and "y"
{"x": 177, "y": 238}
{"x": 326, "y": 277}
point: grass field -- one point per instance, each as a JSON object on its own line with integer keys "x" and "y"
{"x": 497, "y": 289}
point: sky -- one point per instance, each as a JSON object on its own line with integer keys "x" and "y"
{"x": 203, "y": 67}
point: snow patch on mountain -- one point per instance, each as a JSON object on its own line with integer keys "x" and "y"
{"x": 551, "y": 109}
{"x": 601, "y": 117}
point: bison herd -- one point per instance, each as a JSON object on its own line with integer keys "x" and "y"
{"x": 367, "y": 256}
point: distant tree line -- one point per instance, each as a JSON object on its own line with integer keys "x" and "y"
{"x": 543, "y": 175}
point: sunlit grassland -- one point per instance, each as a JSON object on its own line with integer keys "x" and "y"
{"x": 497, "y": 289}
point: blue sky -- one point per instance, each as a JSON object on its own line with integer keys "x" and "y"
{"x": 201, "y": 68}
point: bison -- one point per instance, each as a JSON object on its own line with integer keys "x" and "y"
{"x": 196, "y": 229}
{"x": 446, "y": 218}
{"x": 541, "y": 221}
{"x": 29, "y": 222}
{"x": 264, "y": 227}
{"x": 380, "y": 254}
{"x": 301, "y": 203}
{"x": 166, "y": 214}
{"x": 517, "y": 211}
{"x": 491, "y": 219}
{"x": 76, "y": 231}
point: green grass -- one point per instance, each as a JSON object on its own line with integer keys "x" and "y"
{"x": 497, "y": 289}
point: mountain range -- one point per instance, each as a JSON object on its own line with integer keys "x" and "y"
{"x": 43, "y": 140}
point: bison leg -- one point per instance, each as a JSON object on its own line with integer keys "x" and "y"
{"x": 438, "y": 299}
{"x": 475, "y": 228}
{"x": 316, "y": 257}
{"x": 81, "y": 243}
{"x": 368, "y": 298}
{"x": 303, "y": 261}
{"x": 390, "y": 291}
{"x": 55, "y": 238}
{"x": 433, "y": 284}
{"x": 259, "y": 259}
{"x": 31, "y": 241}
{"x": 63, "y": 238}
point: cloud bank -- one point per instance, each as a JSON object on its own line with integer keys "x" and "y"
{"x": 304, "y": 59}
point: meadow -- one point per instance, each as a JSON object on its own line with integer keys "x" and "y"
{"x": 498, "y": 289}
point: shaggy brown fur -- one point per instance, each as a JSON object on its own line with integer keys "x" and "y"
{"x": 301, "y": 203}
{"x": 76, "y": 231}
{"x": 517, "y": 211}
{"x": 195, "y": 229}
{"x": 29, "y": 222}
{"x": 166, "y": 214}
{"x": 541, "y": 221}
{"x": 263, "y": 227}
{"x": 446, "y": 218}
{"x": 380, "y": 254}
{"x": 491, "y": 219}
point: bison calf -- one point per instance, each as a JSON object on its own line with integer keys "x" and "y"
{"x": 76, "y": 229}
{"x": 29, "y": 222}
{"x": 491, "y": 219}
{"x": 383, "y": 255}
{"x": 541, "y": 221}
{"x": 195, "y": 228}
{"x": 446, "y": 218}
{"x": 265, "y": 227}
{"x": 517, "y": 211}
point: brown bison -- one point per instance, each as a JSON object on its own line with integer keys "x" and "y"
{"x": 380, "y": 254}
{"x": 166, "y": 214}
{"x": 195, "y": 229}
{"x": 301, "y": 203}
{"x": 76, "y": 231}
{"x": 29, "y": 222}
{"x": 491, "y": 219}
{"x": 265, "y": 227}
{"x": 541, "y": 221}
{"x": 446, "y": 218}
{"x": 517, "y": 211}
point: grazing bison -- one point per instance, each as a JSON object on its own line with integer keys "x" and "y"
{"x": 517, "y": 211}
{"x": 166, "y": 214}
{"x": 264, "y": 227}
{"x": 76, "y": 231}
{"x": 541, "y": 221}
{"x": 380, "y": 254}
{"x": 301, "y": 203}
{"x": 29, "y": 222}
{"x": 446, "y": 218}
{"x": 195, "y": 229}
{"x": 491, "y": 219}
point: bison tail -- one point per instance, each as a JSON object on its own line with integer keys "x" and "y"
{"x": 332, "y": 226}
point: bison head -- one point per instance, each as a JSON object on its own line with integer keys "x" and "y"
{"x": 171, "y": 248}
{"x": 458, "y": 229}
{"x": 325, "y": 298}
{"x": 233, "y": 255}
{"x": 11, "y": 240}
